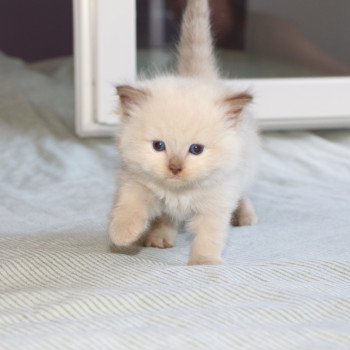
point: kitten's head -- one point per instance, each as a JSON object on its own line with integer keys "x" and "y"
{"x": 180, "y": 131}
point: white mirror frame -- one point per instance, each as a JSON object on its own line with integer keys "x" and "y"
{"x": 105, "y": 55}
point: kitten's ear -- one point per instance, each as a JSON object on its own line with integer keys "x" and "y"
{"x": 130, "y": 97}
{"x": 236, "y": 103}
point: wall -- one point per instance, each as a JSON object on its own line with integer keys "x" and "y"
{"x": 36, "y": 29}
{"x": 326, "y": 22}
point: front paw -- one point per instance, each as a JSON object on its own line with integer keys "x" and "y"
{"x": 125, "y": 232}
{"x": 203, "y": 260}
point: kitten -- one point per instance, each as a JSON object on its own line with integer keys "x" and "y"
{"x": 188, "y": 152}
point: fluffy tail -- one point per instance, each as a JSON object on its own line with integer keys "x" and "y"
{"x": 195, "y": 51}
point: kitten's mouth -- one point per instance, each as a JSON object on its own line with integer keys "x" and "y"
{"x": 174, "y": 178}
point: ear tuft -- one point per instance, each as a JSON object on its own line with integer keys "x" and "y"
{"x": 130, "y": 97}
{"x": 236, "y": 104}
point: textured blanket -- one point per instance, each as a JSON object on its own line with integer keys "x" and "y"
{"x": 285, "y": 283}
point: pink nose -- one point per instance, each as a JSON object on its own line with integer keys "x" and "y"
{"x": 175, "y": 169}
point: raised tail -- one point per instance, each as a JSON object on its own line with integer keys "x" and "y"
{"x": 195, "y": 51}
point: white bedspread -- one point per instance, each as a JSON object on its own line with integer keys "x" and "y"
{"x": 285, "y": 284}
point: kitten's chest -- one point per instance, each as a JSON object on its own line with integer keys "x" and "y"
{"x": 179, "y": 206}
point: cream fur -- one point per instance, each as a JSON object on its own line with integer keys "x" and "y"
{"x": 195, "y": 48}
{"x": 180, "y": 111}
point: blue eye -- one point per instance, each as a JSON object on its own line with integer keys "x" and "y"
{"x": 159, "y": 146}
{"x": 196, "y": 149}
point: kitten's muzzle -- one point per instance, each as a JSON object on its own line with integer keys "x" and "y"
{"x": 175, "y": 165}
{"x": 175, "y": 170}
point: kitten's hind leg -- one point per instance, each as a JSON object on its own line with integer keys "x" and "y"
{"x": 162, "y": 233}
{"x": 245, "y": 214}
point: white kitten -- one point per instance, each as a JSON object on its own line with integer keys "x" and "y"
{"x": 188, "y": 152}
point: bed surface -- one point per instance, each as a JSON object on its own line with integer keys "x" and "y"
{"x": 285, "y": 283}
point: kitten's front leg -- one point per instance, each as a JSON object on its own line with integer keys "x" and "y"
{"x": 130, "y": 215}
{"x": 210, "y": 231}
